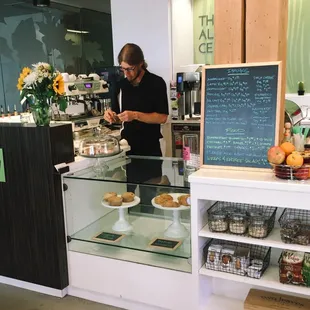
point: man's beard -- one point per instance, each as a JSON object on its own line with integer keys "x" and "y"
{"x": 133, "y": 81}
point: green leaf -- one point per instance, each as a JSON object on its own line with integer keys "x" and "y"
{"x": 62, "y": 104}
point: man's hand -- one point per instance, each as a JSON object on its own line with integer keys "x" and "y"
{"x": 110, "y": 116}
{"x": 127, "y": 116}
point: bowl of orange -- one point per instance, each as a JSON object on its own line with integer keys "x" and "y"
{"x": 289, "y": 164}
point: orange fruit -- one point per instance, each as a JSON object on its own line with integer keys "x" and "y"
{"x": 288, "y": 148}
{"x": 295, "y": 160}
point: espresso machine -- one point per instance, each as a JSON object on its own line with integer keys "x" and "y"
{"x": 112, "y": 75}
{"x": 189, "y": 94}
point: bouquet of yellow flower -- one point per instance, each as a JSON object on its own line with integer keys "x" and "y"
{"x": 41, "y": 85}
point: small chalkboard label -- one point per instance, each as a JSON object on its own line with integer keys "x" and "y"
{"x": 108, "y": 237}
{"x": 241, "y": 114}
{"x": 167, "y": 244}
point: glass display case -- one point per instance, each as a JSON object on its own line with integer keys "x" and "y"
{"x": 148, "y": 219}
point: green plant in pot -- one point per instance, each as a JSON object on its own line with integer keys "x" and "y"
{"x": 41, "y": 86}
{"x": 301, "y": 88}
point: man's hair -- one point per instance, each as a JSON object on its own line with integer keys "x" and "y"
{"x": 132, "y": 54}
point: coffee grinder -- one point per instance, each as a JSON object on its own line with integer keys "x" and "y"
{"x": 189, "y": 94}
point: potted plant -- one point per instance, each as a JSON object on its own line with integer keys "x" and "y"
{"x": 41, "y": 86}
{"x": 301, "y": 88}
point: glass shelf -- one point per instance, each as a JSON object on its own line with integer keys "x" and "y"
{"x": 145, "y": 230}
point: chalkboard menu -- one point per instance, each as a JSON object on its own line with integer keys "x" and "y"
{"x": 241, "y": 110}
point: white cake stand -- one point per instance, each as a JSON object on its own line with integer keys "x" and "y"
{"x": 122, "y": 224}
{"x": 176, "y": 229}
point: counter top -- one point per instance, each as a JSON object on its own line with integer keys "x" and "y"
{"x": 188, "y": 121}
{"x": 250, "y": 187}
{"x": 192, "y": 121}
{"x": 246, "y": 179}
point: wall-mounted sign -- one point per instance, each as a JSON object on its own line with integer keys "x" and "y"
{"x": 203, "y": 18}
{"x": 241, "y": 113}
{"x": 2, "y": 168}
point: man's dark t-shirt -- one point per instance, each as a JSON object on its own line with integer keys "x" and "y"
{"x": 149, "y": 96}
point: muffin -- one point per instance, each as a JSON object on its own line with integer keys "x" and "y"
{"x": 170, "y": 204}
{"x": 115, "y": 201}
{"x": 128, "y": 197}
{"x": 162, "y": 198}
{"x": 109, "y": 195}
{"x": 183, "y": 200}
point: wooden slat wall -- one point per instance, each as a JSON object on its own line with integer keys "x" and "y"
{"x": 229, "y": 31}
{"x": 266, "y": 36}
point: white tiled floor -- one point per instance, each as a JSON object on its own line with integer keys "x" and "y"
{"x": 12, "y": 298}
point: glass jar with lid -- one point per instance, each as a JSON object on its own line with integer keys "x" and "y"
{"x": 238, "y": 223}
{"x": 218, "y": 222}
{"x": 258, "y": 227}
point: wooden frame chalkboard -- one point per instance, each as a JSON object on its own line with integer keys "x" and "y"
{"x": 240, "y": 115}
{"x": 165, "y": 244}
{"x": 108, "y": 237}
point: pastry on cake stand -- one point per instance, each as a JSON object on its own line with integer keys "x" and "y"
{"x": 176, "y": 229}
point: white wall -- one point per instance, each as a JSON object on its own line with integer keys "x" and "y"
{"x": 146, "y": 23}
{"x": 182, "y": 36}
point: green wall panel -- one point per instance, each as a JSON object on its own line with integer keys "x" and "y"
{"x": 298, "y": 47}
{"x": 203, "y": 18}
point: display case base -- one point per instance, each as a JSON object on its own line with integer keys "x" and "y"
{"x": 129, "y": 285}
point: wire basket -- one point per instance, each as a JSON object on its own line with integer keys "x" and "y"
{"x": 255, "y": 221}
{"x": 295, "y": 226}
{"x": 237, "y": 258}
{"x": 290, "y": 173}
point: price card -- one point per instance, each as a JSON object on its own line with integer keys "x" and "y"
{"x": 165, "y": 244}
{"x": 108, "y": 237}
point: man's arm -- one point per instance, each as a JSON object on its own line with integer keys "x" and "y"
{"x": 149, "y": 118}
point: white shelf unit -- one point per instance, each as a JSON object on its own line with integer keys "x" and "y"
{"x": 273, "y": 240}
{"x": 260, "y": 188}
{"x": 270, "y": 279}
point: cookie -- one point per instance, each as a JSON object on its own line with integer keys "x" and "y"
{"x": 115, "y": 201}
{"x": 109, "y": 195}
{"x": 170, "y": 204}
{"x": 128, "y": 197}
{"x": 183, "y": 200}
{"x": 162, "y": 198}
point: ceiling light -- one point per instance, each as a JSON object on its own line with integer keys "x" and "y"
{"x": 77, "y": 31}
{"x": 41, "y": 2}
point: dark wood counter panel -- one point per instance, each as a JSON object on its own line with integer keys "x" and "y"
{"x": 32, "y": 229}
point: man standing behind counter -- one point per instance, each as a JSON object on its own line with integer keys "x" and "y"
{"x": 144, "y": 103}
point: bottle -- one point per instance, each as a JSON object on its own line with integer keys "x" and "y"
{"x": 2, "y": 113}
{"x": 174, "y": 108}
{"x": 8, "y": 110}
{"x": 287, "y": 133}
{"x": 15, "y": 112}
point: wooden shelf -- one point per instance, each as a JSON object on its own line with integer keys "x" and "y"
{"x": 270, "y": 279}
{"x": 273, "y": 240}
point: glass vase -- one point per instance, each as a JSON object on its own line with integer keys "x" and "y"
{"x": 41, "y": 112}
